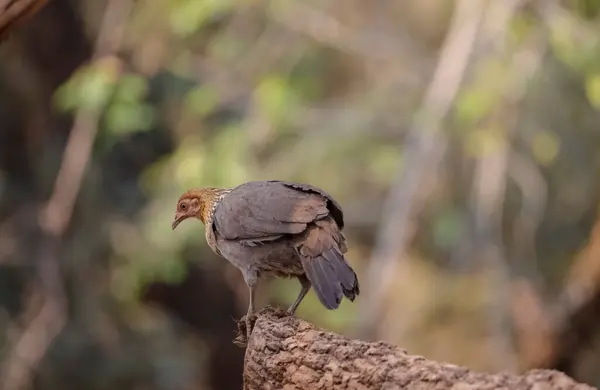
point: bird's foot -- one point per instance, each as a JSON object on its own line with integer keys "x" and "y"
{"x": 245, "y": 326}
{"x": 249, "y": 326}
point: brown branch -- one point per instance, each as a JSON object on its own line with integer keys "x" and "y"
{"x": 12, "y": 12}
{"x": 288, "y": 353}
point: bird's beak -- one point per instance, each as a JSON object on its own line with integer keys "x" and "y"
{"x": 177, "y": 221}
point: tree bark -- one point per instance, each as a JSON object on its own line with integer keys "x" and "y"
{"x": 285, "y": 352}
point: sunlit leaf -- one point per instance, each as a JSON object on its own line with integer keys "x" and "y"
{"x": 125, "y": 118}
{"x": 90, "y": 88}
{"x": 202, "y": 100}
{"x": 189, "y": 15}
{"x": 131, "y": 88}
{"x": 189, "y": 163}
{"x": 97, "y": 86}
{"x": 522, "y": 26}
{"x": 592, "y": 89}
{"x": 274, "y": 97}
{"x": 545, "y": 146}
{"x": 474, "y": 104}
{"x": 232, "y": 164}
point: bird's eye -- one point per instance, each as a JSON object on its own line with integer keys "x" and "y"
{"x": 183, "y": 206}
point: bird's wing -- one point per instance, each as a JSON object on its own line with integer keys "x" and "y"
{"x": 264, "y": 211}
{"x": 334, "y": 207}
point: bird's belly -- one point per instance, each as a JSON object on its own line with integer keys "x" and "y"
{"x": 273, "y": 258}
{"x": 281, "y": 264}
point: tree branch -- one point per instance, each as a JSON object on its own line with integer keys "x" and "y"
{"x": 13, "y": 12}
{"x": 285, "y": 352}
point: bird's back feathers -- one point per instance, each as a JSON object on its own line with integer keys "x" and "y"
{"x": 264, "y": 209}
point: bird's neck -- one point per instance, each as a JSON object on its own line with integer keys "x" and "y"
{"x": 210, "y": 199}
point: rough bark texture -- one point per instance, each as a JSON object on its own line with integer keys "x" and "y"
{"x": 287, "y": 353}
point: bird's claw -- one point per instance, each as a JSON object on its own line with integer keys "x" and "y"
{"x": 245, "y": 326}
{"x": 248, "y": 329}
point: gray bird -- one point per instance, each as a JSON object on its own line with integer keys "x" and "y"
{"x": 276, "y": 228}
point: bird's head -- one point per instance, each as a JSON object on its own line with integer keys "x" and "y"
{"x": 197, "y": 203}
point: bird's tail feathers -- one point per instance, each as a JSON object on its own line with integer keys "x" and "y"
{"x": 332, "y": 277}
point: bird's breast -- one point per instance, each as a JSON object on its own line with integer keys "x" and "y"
{"x": 211, "y": 240}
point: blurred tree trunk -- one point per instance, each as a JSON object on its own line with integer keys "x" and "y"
{"x": 285, "y": 352}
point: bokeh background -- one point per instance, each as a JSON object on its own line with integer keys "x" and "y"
{"x": 461, "y": 137}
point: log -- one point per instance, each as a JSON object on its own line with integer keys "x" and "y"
{"x": 285, "y": 352}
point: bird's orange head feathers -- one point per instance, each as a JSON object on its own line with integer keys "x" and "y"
{"x": 197, "y": 203}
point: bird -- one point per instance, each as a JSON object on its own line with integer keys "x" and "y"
{"x": 276, "y": 228}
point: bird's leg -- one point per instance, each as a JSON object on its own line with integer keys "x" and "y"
{"x": 305, "y": 283}
{"x": 251, "y": 279}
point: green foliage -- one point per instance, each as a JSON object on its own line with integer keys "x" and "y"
{"x": 187, "y": 16}
{"x": 100, "y": 89}
{"x": 127, "y": 112}
{"x": 474, "y": 104}
{"x": 220, "y": 161}
{"x": 576, "y": 44}
{"x": 230, "y": 149}
{"x": 447, "y": 228}
{"x": 131, "y": 89}
{"x": 275, "y": 98}
{"x": 588, "y": 9}
{"x": 545, "y": 147}
{"x": 202, "y": 100}
{"x": 483, "y": 95}
{"x": 90, "y": 88}
{"x": 592, "y": 89}
{"x": 304, "y": 77}
{"x": 123, "y": 118}
{"x": 521, "y": 27}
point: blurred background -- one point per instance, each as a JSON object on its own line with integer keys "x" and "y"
{"x": 461, "y": 137}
